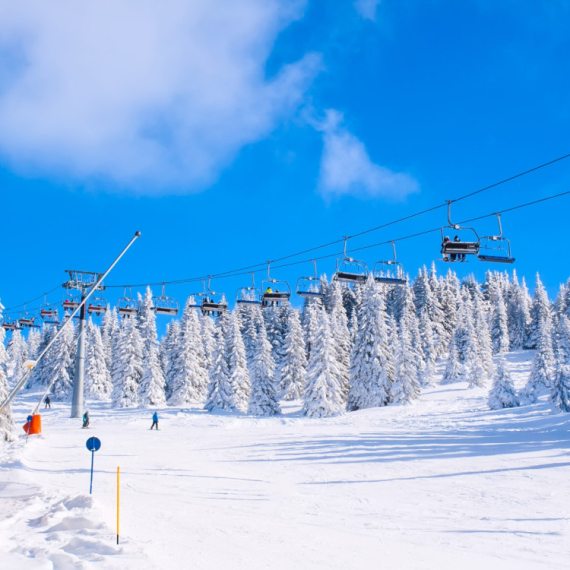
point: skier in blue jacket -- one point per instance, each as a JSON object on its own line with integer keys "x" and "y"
{"x": 154, "y": 420}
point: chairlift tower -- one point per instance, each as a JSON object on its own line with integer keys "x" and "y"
{"x": 84, "y": 282}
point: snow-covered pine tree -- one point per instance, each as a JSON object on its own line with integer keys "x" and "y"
{"x": 427, "y": 374}
{"x": 98, "y": 384}
{"x": 7, "y": 428}
{"x": 311, "y": 310}
{"x": 237, "y": 364}
{"x": 450, "y": 298}
{"x": 563, "y": 339}
{"x": 263, "y": 399}
{"x": 33, "y": 343}
{"x": 168, "y": 350}
{"x": 17, "y": 355}
{"x": 152, "y": 383}
{"x": 370, "y": 370}
{"x": 453, "y": 370}
{"x": 341, "y": 334}
{"x": 38, "y": 377}
{"x": 406, "y": 387}
{"x": 189, "y": 377}
{"x": 483, "y": 337}
{"x": 322, "y": 395}
{"x": 127, "y": 371}
{"x": 499, "y": 322}
{"x": 109, "y": 333}
{"x": 294, "y": 361}
{"x": 518, "y": 314}
{"x": 3, "y": 351}
{"x": 220, "y": 390}
{"x": 473, "y": 369}
{"x": 540, "y": 311}
{"x": 426, "y": 297}
{"x": 251, "y": 320}
{"x": 60, "y": 364}
{"x": 543, "y": 363}
{"x": 560, "y": 392}
{"x": 208, "y": 332}
{"x": 502, "y": 393}
{"x": 274, "y": 327}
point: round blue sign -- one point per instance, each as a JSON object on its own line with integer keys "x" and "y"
{"x": 93, "y": 444}
{"x": 30, "y": 418}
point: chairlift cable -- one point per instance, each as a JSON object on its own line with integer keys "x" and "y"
{"x": 240, "y": 271}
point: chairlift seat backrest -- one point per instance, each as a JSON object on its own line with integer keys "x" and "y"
{"x": 311, "y": 294}
{"x": 389, "y": 280}
{"x": 462, "y": 247}
{"x": 165, "y": 310}
{"x": 348, "y": 277}
{"x": 276, "y": 296}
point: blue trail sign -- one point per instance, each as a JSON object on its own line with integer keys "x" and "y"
{"x": 93, "y": 445}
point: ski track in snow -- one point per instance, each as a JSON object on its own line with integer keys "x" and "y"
{"x": 440, "y": 484}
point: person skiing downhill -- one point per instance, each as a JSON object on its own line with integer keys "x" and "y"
{"x": 86, "y": 419}
{"x": 154, "y": 420}
{"x": 48, "y": 402}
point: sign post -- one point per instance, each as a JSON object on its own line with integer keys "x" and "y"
{"x": 93, "y": 445}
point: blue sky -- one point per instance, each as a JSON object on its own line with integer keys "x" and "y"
{"x": 231, "y": 133}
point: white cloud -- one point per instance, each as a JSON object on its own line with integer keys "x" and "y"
{"x": 346, "y": 168}
{"x": 367, "y": 8}
{"x": 148, "y": 96}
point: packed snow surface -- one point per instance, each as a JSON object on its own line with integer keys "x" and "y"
{"x": 445, "y": 483}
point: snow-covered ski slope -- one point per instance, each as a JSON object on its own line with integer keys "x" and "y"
{"x": 445, "y": 483}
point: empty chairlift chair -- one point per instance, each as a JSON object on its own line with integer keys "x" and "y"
{"x": 496, "y": 249}
{"x": 349, "y": 270}
{"x": 310, "y": 287}
{"x": 391, "y": 271}
{"x": 274, "y": 290}
{"x": 164, "y": 305}
{"x": 249, "y": 295}
{"x": 213, "y": 303}
{"x": 456, "y": 249}
{"x": 127, "y": 307}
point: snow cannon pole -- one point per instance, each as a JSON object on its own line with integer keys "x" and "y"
{"x": 118, "y": 469}
{"x": 26, "y": 376}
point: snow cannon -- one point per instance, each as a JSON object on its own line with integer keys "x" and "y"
{"x": 34, "y": 426}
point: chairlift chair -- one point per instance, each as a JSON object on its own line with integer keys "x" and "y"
{"x": 274, "y": 296}
{"x": 49, "y": 313}
{"x": 97, "y": 306}
{"x": 27, "y": 320}
{"x": 212, "y": 302}
{"x": 9, "y": 324}
{"x": 390, "y": 272}
{"x": 164, "y": 305}
{"x": 70, "y": 303}
{"x": 454, "y": 251}
{"x": 349, "y": 270}
{"x": 126, "y": 305}
{"x": 499, "y": 253}
{"x": 310, "y": 287}
{"x": 249, "y": 295}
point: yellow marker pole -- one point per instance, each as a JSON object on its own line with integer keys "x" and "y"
{"x": 118, "y": 505}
